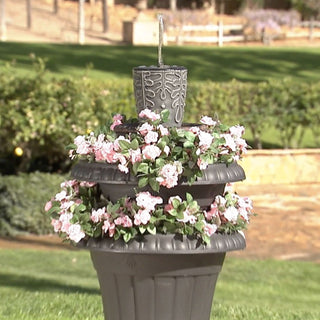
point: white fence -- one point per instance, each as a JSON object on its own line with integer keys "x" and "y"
{"x": 181, "y": 35}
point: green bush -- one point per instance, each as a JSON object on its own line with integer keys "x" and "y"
{"x": 42, "y": 115}
{"x": 22, "y": 200}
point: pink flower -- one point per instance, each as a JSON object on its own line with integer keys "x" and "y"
{"x": 105, "y": 153}
{"x": 163, "y": 130}
{"x": 123, "y": 168}
{"x": 61, "y": 195}
{"x": 209, "y": 229}
{"x": 75, "y": 233}
{"x": 145, "y": 128}
{"x": 213, "y": 212}
{"x": 109, "y": 227}
{"x": 83, "y": 146}
{"x": 148, "y": 114}
{"x": 135, "y": 155}
{"x": 87, "y": 184}
{"x": 151, "y": 152}
{"x": 98, "y": 215}
{"x": 56, "y": 225}
{"x": 188, "y": 217}
{"x": 66, "y": 205}
{"x": 147, "y": 201}
{"x": 48, "y": 206}
{"x": 65, "y": 221}
{"x": 208, "y": 121}
{"x": 69, "y": 183}
{"x": 151, "y": 137}
{"x": 124, "y": 221}
{"x": 169, "y": 174}
{"x": 166, "y": 150}
{"x": 142, "y": 217}
{"x": 117, "y": 120}
{"x": 195, "y": 130}
{"x": 202, "y": 164}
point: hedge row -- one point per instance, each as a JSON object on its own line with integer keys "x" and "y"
{"x": 42, "y": 114}
{"x": 22, "y": 200}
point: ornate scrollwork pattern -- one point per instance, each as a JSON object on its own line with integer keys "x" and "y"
{"x": 160, "y": 88}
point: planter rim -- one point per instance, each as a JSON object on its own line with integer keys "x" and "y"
{"x": 159, "y": 68}
{"x": 167, "y": 244}
{"x": 99, "y": 172}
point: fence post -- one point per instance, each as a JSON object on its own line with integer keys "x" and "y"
{"x": 220, "y": 33}
{"x": 311, "y": 26}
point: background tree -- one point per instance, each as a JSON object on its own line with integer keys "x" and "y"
{"x": 307, "y": 8}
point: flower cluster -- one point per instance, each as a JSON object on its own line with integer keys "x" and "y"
{"x": 161, "y": 156}
{"x": 78, "y": 211}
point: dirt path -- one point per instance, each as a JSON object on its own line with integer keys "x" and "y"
{"x": 287, "y": 226}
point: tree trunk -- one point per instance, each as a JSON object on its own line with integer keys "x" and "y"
{"x": 3, "y": 20}
{"x": 173, "y": 5}
{"x": 81, "y": 22}
{"x": 29, "y": 20}
{"x": 105, "y": 20}
{"x": 55, "y": 6}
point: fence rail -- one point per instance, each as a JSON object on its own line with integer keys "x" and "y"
{"x": 180, "y": 35}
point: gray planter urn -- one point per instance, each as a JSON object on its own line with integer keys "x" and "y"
{"x": 161, "y": 277}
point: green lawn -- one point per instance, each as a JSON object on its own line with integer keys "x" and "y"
{"x": 203, "y": 63}
{"x": 62, "y": 285}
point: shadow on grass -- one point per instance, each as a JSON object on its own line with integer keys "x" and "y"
{"x": 30, "y": 283}
{"x": 203, "y": 63}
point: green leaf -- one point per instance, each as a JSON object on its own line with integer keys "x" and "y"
{"x": 165, "y": 115}
{"x": 188, "y": 144}
{"x": 143, "y": 181}
{"x": 134, "y": 144}
{"x": 127, "y": 237}
{"x": 143, "y": 168}
{"x": 189, "y": 197}
{"x": 142, "y": 229}
{"x": 152, "y": 229}
{"x": 125, "y": 145}
{"x": 154, "y": 184}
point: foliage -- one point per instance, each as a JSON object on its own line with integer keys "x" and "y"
{"x": 21, "y": 202}
{"x": 157, "y": 156}
{"x": 247, "y": 289}
{"x": 307, "y": 8}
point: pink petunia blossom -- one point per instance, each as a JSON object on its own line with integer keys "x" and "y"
{"x": 117, "y": 120}
{"x": 229, "y": 141}
{"x": 163, "y": 130}
{"x": 109, "y": 227}
{"x": 135, "y": 155}
{"x": 142, "y": 217}
{"x": 148, "y": 114}
{"x": 212, "y": 213}
{"x": 48, "y": 206}
{"x": 151, "y": 152}
{"x": 57, "y": 224}
{"x": 61, "y": 195}
{"x": 98, "y": 215}
{"x": 209, "y": 229}
{"x": 124, "y": 221}
{"x": 151, "y": 137}
{"x": 208, "y": 121}
{"x": 195, "y": 130}
{"x": 145, "y": 128}
{"x": 83, "y": 146}
{"x": 147, "y": 201}
{"x": 202, "y": 164}
{"x": 237, "y": 131}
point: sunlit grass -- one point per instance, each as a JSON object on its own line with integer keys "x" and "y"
{"x": 203, "y": 63}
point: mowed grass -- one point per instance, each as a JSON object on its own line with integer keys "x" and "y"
{"x": 203, "y": 63}
{"x": 62, "y": 285}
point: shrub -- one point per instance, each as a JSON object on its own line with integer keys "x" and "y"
{"x": 42, "y": 115}
{"x": 22, "y": 202}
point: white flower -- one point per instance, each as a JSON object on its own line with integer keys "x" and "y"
{"x": 75, "y": 232}
{"x": 231, "y": 214}
{"x": 208, "y": 121}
